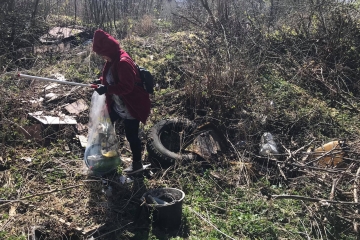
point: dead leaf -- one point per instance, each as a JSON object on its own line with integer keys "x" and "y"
{"x": 12, "y": 210}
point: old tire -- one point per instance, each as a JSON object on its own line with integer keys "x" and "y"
{"x": 166, "y": 152}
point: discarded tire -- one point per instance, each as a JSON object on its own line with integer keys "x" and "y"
{"x": 164, "y": 141}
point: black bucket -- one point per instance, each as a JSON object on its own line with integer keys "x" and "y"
{"x": 168, "y": 215}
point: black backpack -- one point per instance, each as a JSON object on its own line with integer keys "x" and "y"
{"x": 146, "y": 78}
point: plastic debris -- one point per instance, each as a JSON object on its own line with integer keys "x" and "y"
{"x": 109, "y": 154}
{"x": 331, "y": 153}
{"x": 158, "y": 200}
{"x": 53, "y": 120}
{"x": 124, "y": 179}
{"x": 240, "y": 144}
{"x": 77, "y": 107}
{"x": 28, "y": 159}
{"x": 83, "y": 140}
{"x": 268, "y": 145}
{"x": 150, "y": 199}
{"x": 107, "y": 190}
{"x": 95, "y": 157}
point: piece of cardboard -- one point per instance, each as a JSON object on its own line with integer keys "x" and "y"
{"x": 77, "y": 107}
{"x": 83, "y": 140}
{"x": 53, "y": 120}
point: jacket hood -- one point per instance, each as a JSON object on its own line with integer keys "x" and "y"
{"x": 106, "y": 45}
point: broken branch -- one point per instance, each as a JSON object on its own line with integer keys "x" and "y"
{"x": 297, "y": 197}
{"x": 39, "y": 194}
{"x": 356, "y": 182}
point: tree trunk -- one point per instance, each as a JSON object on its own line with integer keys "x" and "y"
{"x": 205, "y": 4}
{"x": 75, "y": 10}
{"x": 34, "y": 13}
{"x": 11, "y": 8}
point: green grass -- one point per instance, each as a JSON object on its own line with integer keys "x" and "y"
{"x": 238, "y": 212}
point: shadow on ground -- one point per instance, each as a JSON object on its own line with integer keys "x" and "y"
{"x": 117, "y": 209}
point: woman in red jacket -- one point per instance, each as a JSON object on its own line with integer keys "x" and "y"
{"x": 126, "y": 97}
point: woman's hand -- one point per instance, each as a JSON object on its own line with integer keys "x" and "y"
{"x": 101, "y": 89}
{"x": 97, "y": 81}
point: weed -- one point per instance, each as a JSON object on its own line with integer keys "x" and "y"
{"x": 119, "y": 170}
{"x": 6, "y": 235}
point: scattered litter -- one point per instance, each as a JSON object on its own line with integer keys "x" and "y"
{"x": 209, "y": 141}
{"x": 333, "y": 153}
{"x": 124, "y": 179}
{"x": 28, "y": 159}
{"x": 51, "y": 86}
{"x": 57, "y": 34}
{"x": 263, "y": 119}
{"x": 59, "y": 76}
{"x": 268, "y": 145}
{"x": 205, "y": 144}
{"x": 107, "y": 190}
{"x": 51, "y": 96}
{"x": 126, "y": 159}
{"x": 240, "y": 144}
{"x": 51, "y": 120}
{"x": 77, "y": 107}
{"x": 272, "y": 104}
{"x": 36, "y": 102}
{"x": 12, "y": 210}
{"x": 161, "y": 199}
{"x": 83, "y": 140}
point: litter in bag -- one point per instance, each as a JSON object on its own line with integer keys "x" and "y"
{"x": 101, "y": 153}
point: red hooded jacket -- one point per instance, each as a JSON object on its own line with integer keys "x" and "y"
{"x": 126, "y": 76}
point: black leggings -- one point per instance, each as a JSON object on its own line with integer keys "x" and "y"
{"x": 131, "y": 133}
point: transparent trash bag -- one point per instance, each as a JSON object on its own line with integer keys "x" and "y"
{"x": 101, "y": 153}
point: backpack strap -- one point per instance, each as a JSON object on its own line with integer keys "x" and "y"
{"x": 138, "y": 68}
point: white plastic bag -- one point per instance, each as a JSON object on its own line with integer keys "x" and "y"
{"x": 101, "y": 153}
{"x": 268, "y": 145}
